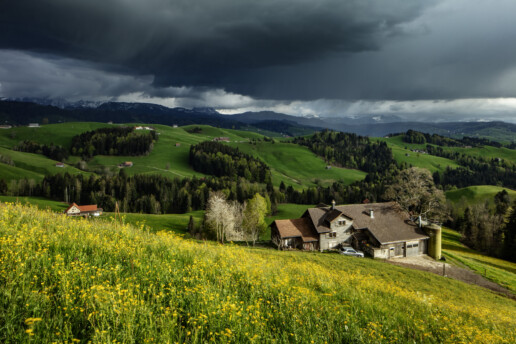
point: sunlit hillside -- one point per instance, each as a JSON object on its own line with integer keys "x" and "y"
{"x": 65, "y": 280}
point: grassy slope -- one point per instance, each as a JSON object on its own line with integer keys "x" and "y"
{"x": 65, "y": 279}
{"x": 60, "y": 134}
{"x": 40, "y": 202}
{"x": 497, "y": 270}
{"x": 292, "y": 164}
{"x": 430, "y": 162}
{"x": 298, "y": 166}
{"x": 485, "y": 152}
{"x": 177, "y": 223}
{"x": 476, "y": 195}
{"x": 36, "y": 164}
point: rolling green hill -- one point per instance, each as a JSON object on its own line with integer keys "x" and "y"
{"x": 405, "y": 155}
{"x": 34, "y": 166}
{"x": 59, "y": 134}
{"x": 478, "y": 194}
{"x": 297, "y": 166}
{"x": 484, "y": 152}
{"x": 67, "y": 280}
{"x": 292, "y": 164}
{"x": 497, "y": 270}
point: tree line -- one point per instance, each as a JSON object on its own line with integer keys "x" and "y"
{"x": 489, "y": 228}
{"x": 54, "y": 152}
{"x": 349, "y": 150}
{"x": 224, "y": 161}
{"x": 152, "y": 194}
{"x": 113, "y": 141}
{"x": 413, "y": 136}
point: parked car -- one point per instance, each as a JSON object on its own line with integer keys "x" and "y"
{"x": 349, "y": 251}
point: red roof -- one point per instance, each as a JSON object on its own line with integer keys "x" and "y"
{"x": 83, "y": 208}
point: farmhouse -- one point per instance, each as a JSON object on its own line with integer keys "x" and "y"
{"x": 33, "y": 125}
{"x": 223, "y": 139}
{"x": 126, "y": 164}
{"x": 382, "y": 230}
{"x": 143, "y": 128}
{"x": 60, "y": 164}
{"x": 6, "y": 126}
{"x": 83, "y": 210}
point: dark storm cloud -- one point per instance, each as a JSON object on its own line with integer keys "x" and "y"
{"x": 224, "y": 44}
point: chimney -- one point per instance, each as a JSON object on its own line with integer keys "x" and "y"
{"x": 419, "y": 220}
{"x": 371, "y": 213}
{"x": 333, "y": 205}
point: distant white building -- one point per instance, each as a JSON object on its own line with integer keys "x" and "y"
{"x": 6, "y": 126}
{"x": 33, "y": 125}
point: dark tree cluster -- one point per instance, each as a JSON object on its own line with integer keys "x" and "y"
{"x": 349, "y": 150}
{"x": 473, "y": 170}
{"x": 51, "y": 151}
{"x": 490, "y": 229}
{"x": 481, "y": 174}
{"x": 113, "y": 141}
{"x": 222, "y": 160}
{"x": 413, "y": 136}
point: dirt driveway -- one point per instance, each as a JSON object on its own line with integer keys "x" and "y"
{"x": 426, "y": 263}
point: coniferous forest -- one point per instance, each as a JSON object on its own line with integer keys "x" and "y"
{"x": 224, "y": 161}
{"x": 349, "y": 150}
{"x": 54, "y": 152}
{"x": 113, "y": 141}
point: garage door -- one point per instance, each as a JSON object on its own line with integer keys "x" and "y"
{"x": 412, "y": 249}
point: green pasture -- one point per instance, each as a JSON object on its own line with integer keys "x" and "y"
{"x": 497, "y": 270}
{"x": 297, "y": 166}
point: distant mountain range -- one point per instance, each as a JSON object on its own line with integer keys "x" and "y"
{"x": 18, "y": 112}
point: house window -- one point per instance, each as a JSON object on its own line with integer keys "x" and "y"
{"x": 342, "y": 222}
{"x": 332, "y": 235}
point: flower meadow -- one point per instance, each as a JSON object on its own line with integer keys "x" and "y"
{"x": 66, "y": 280}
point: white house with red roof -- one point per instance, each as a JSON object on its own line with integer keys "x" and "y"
{"x": 83, "y": 210}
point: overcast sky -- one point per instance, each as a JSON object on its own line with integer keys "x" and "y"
{"x": 428, "y": 59}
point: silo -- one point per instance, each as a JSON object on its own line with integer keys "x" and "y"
{"x": 434, "y": 243}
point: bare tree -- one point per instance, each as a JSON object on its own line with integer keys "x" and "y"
{"x": 236, "y": 232}
{"x": 223, "y": 216}
{"x": 415, "y": 191}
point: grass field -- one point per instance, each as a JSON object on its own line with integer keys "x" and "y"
{"x": 298, "y": 166}
{"x": 488, "y": 152}
{"x": 478, "y": 194}
{"x": 497, "y": 270}
{"x": 72, "y": 280}
{"x": 405, "y": 155}
{"x": 35, "y": 166}
{"x": 177, "y": 223}
{"x": 40, "y": 202}
{"x": 59, "y": 134}
{"x": 292, "y": 164}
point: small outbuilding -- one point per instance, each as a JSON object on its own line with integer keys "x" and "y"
{"x": 83, "y": 210}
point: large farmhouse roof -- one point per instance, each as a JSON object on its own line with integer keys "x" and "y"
{"x": 389, "y": 223}
{"x": 296, "y": 228}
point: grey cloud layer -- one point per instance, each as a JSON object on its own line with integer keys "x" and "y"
{"x": 224, "y": 44}
{"x": 330, "y": 57}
